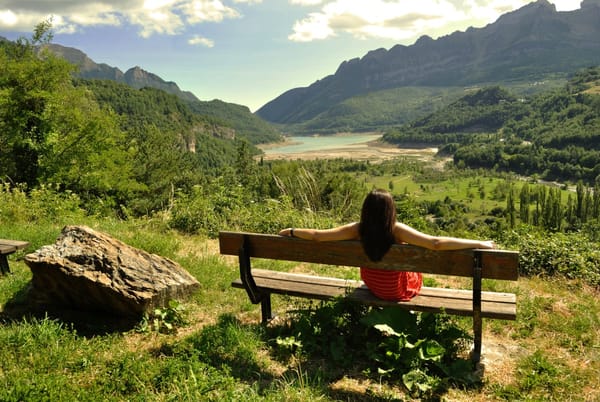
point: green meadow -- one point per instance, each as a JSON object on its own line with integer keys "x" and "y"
{"x": 213, "y": 347}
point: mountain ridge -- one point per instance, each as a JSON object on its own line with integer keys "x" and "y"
{"x": 239, "y": 117}
{"x": 527, "y": 43}
{"x": 135, "y": 77}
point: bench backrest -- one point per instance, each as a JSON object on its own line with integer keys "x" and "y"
{"x": 495, "y": 264}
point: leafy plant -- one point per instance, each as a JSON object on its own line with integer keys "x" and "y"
{"x": 569, "y": 255}
{"x": 165, "y": 320}
{"x": 420, "y": 349}
{"x": 328, "y": 330}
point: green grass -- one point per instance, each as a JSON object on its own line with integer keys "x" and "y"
{"x": 481, "y": 194}
{"x": 551, "y": 352}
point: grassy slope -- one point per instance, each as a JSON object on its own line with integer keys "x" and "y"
{"x": 551, "y": 351}
{"x": 595, "y": 89}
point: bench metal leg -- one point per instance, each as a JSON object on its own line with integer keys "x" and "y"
{"x": 4, "y": 269}
{"x": 477, "y": 324}
{"x": 265, "y": 307}
{"x": 476, "y": 354}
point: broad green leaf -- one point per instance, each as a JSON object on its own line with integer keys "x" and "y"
{"x": 416, "y": 380}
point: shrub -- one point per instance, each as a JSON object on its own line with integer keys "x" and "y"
{"x": 43, "y": 204}
{"x": 568, "y": 254}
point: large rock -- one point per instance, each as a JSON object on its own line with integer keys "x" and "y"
{"x": 89, "y": 270}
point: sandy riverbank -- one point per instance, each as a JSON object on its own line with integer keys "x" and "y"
{"x": 372, "y": 151}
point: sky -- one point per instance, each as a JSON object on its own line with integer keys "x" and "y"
{"x": 246, "y": 52}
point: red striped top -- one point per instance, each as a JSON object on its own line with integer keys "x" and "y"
{"x": 392, "y": 285}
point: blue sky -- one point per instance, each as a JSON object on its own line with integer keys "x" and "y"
{"x": 245, "y": 51}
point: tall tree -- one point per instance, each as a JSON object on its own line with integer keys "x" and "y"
{"x": 524, "y": 201}
{"x": 54, "y": 132}
{"x": 28, "y": 83}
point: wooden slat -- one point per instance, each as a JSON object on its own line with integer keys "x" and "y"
{"x": 18, "y": 244}
{"x": 7, "y": 249}
{"x": 453, "y": 301}
{"x": 497, "y": 264}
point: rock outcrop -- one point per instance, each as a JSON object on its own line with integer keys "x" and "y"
{"x": 89, "y": 270}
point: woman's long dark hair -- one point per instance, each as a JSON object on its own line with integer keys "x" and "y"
{"x": 377, "y": 221}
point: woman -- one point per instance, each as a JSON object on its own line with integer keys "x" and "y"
{"x": 377, "y": 231}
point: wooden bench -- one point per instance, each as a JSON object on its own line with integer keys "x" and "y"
{"x": 476, "y": 264}
{"x": 8, "y": 247}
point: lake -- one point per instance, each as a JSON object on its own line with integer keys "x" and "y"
{"x": 320, "y": 143}
{"x": 364, "y": 147}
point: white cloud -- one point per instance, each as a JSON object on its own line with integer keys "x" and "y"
{"x": 199, "y": 40}
{"x": 567, "y": 5}
{"x": 157, "y": 20}
{"x": 398, "y": 19}
{"x": 157, "y": 4}
{"x": 167, "y": 17}
{"x": 306, "y": 2}
{"x": 198, "y": 11}
{"x": 315, "y": 26}
{"x": 376, "y": 18}
{"x": 8, "y": 18}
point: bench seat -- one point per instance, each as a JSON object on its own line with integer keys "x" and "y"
{"x": 453, "y": 301}
{"x": 470, "y": 263}
{"x": 8, "y": 247}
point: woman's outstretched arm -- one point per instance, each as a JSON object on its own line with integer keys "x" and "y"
{"x": 406, "y": 234}
{"x": 345, "y": 232}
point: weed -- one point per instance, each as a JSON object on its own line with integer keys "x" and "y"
{"x": 417, "y": 350}
{"x": 165, "y": 320}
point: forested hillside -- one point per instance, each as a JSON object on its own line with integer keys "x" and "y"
{"x": 246, "y": 124}
{"x": 378, "y": 110}
{"x": 114, "y": 146}
{"x": 148, "y": 106}
{"x": 554, "y": 135}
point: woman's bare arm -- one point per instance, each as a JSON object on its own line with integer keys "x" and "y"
{"x": 406, "y": 234}
{"x": 402, "y": 233}
{"x": 345, "y": 232}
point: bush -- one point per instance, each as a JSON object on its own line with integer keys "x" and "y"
{"x": 219, "y": 207}
{"x": 43, "y": 204}
{"x": 571, "y": 255}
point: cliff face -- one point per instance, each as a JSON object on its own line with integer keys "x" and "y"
{"x": 525, "y": 44}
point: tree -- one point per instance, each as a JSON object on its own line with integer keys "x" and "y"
{"x": 53, "y": 131}
{"x": 510, "y": 207}
{"x": 524, "y": 201}
{"x": 28, "y": 83}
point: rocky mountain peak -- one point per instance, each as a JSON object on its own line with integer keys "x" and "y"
{"x": 590, "y": 3}
{"x": 135, "y": 77}
{"x": 525, "y": 44}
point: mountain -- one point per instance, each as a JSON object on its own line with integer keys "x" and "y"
{"x": 238, "y": 117}
{"x": 529, "y": 44}
{"x": 134, "y": 77}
